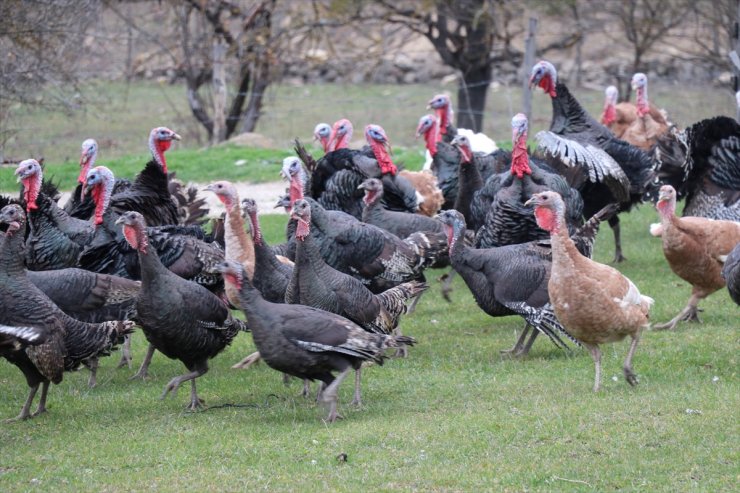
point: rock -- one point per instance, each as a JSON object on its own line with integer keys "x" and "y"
{"x": 252, "y": 139}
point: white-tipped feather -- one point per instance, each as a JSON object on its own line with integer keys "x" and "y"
{"x": 28, "y": 334}
{"x": 601, "y": 167}
{"x": 656, "y": 229}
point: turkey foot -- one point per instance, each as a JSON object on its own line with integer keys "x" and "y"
{"x": 688, "y": 314}
{"x": 331, "y": 396}
{"x": 629, "y": 375}
{"x": 126, "y": 359}
{"x": 143, "y": 372}
{"x": 196, "y": 404}
{"x": 614, "y": 223}
{"x": 174, "y": 384}
{"x": 520, "y": 349}
{"x": 250, "y": 360}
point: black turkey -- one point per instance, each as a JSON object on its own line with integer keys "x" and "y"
{"x": 306, "y": 342}
{"x": 68, "y": 342}
{"x": 180, "y": 318}
{"x": 603, "y": 168}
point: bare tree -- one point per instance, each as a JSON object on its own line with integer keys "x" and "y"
{"x": 645, "y": 23}
{"x": 471, "y": 36}
{"x": 239, "y": 35}
{"x": 41, "y": 43}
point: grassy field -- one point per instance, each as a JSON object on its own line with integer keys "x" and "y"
{"x": 454, "y": 416}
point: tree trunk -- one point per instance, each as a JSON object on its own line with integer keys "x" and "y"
{"x": 471, "y": 98}
{"x": 530, "y": 48}
{"x": 219, "y": 91}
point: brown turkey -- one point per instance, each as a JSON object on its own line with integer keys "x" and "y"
{"x": 180, "y": 318}
{"x": 306, "y": 342}
{"x": 595, "y": 303}
{"x": 68, "y": 341}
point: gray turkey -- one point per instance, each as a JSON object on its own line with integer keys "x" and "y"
{"x": 151, "y": 193}
{"x": 314, "y": 283}
{"x": 90, "y": 297}
{"x": 703, "y": 164}
{"x": 601, "y": 167}
{"x": 507, "y": 220}
{"x": 731, "y": 273}
{"x": 185, "y": 250}
{"x": 55, "y": 239}
{"x": 513, "y": 279}
{"x": 83, "y": 207}
{"x": 180, "y": 318}
{"x": 68, "y": 341}
{"x": 271, "y": 276}
{"x": 338, "y": 173}
{"x": 306, "y": 342}
{"x": 373, "y": 255}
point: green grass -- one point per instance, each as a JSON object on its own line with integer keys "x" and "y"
{"x": 454, "y": 416}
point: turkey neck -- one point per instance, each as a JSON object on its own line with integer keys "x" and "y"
{"x": 151, "y": 266}
{"x": 563, "y": 248}
{"x": 568, "y": 115}
{"x": 373, "y": 211}
{"x": 238, "y": 243}
{"x": 11, "y": 254}
{"x": 470, "y": 181}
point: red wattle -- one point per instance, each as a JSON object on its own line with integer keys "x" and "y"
{"x": 609, "y": 115}
{"x": 83, "y": 172}
{"x": 30, "y": 194}
{"x": 431, "y": 137}
{"x": 548, "y": 86}
{"x": 162, "y": 146}
{"x": 384, "y": 160}
{"x": 443, "y": 120}
{"x": 296, "y": 190}
{"x": 302, "y": 229}
{"x": 546, "y": 219}
{"x": 98, "y": 195}
{"x": 520, "y": 158}
{"x": 131, "y": 237}
{"x": 255, "y": 225}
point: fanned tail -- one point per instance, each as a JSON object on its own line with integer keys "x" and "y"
{"x": 585, "y": 236}
{"x": 308, "y": 161}
{"x": 191, "y": 210}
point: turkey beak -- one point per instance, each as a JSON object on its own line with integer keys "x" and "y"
{"x": 120, "y": 220}
{"x": 532, "y": 201}
{"x": 176, "y": 136}
{"x": 361, "y": 186}
{"x": 209, "y": 188}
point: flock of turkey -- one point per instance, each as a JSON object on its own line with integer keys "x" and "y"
{"x": 517, "y": 226}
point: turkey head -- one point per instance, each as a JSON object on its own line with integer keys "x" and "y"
{"x": 321, "y": 134}
{"x": 381, "y": 146}
{"x": 160, "y": 140}
{"x": 519, "y": 155}
{"x": 373, "y": 190}
{"x": 442, "y": 106}
{"x": 232, "y": 272}
{"x": 29, "y": 173}
{"x": 463, "y": 145}
{"x": 249, "y": 207}
{"x": 428, "y": 128}
{"x": 99, "y": 183}
{"x": 545, "y": 76}
{"x": 609, "y": 115}
{"x": 88, "y": 156}
{"x": 302, "y": 214}
{"x": 549, "y": 211}
{"x": 134, "y": 230}
{"x": 226, "y": 193}
{"x": 454, "y": 223}
{"x": 341, "y": 134}
{"x": 13, "y": 216}
{"x": 293, "y": 171}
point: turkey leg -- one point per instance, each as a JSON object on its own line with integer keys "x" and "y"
{"x": 614, "y": 223}
{"x": 143, "y": 372}
{"x": 596, "y": 355}
{"x": 517, "y": 348}
{"x": 126, "y": 359}
{"x": 330, "y": 395}
{"x": 688, "y": 314}
{"x": 175, "y": 383}
{"x": 357, "y": 400}
{"x": 629, "y": 375}
{"x": 248, "y": 361}
{"x": 42, "y": 401}
{"x": 92, "y": 365}
{"x": 528, "y": 346}
{"x": 25, "y": 410}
